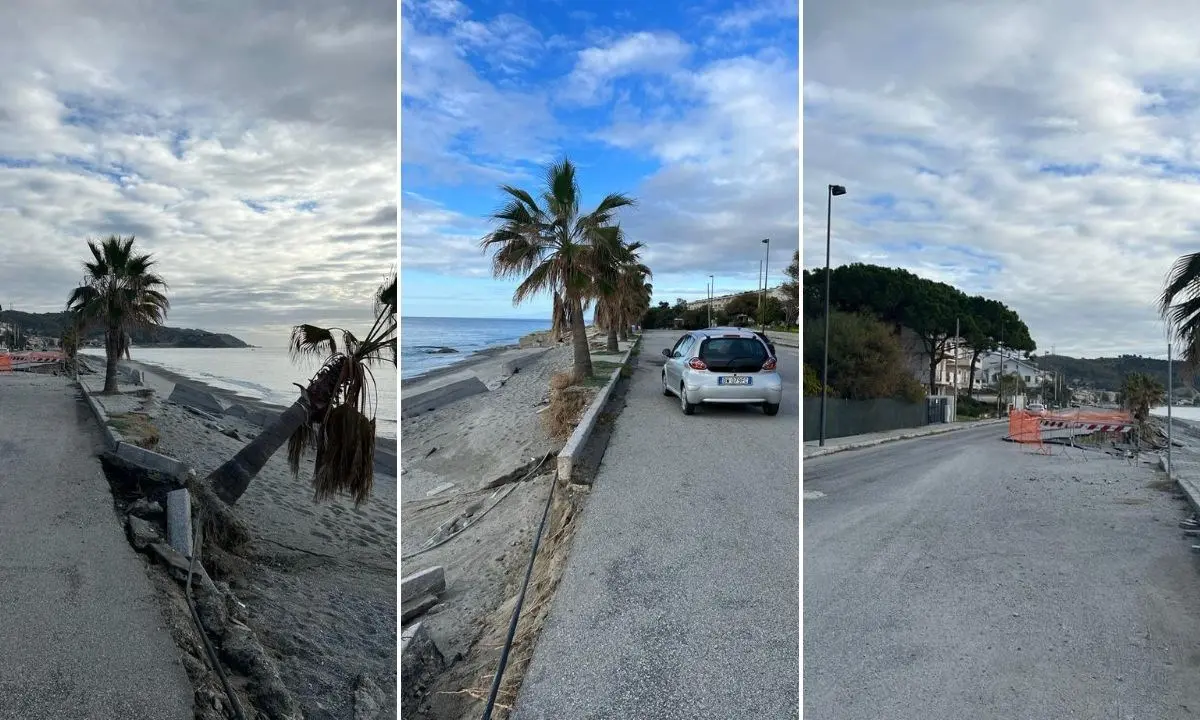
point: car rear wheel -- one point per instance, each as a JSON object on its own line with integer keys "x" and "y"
{"x": 771, "y": 408}
{"x": 666, "y": 390}
{"x": 686, "y": 406}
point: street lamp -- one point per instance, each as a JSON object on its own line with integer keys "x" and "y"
{"x": 762, "y": 300}
{"x": 712, "y": 291}
{"x": 834, "y": 190}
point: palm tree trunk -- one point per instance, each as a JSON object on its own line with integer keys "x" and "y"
{"x": 625, "y": 333}
{"x": 582, "y": 366}
{"x": 231, "y": 479}
{"x": 612, "y": 346}
{"x": 971, "y": 376}
{"x": 111, "y": 356}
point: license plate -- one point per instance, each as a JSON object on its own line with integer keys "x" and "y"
{"x": 733, "y": 380}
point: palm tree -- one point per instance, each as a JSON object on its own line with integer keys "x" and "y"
{"x": 553, "y": 248}
{"x": 620, "y": 293}
{"x": 335, "y": 413}
{"x": 1139, "y": 393}
{"x": 1183, "y": 283}
{"x": 120, "y": 293}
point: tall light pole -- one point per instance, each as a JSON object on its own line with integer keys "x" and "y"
{"x": 762, "y": 304}
{"x": 834, "y": 190}
{"x": 1170, "y": 396}
{"x": 712, "y": 291}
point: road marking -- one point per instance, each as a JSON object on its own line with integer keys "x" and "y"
{"x": 814, "y": 495}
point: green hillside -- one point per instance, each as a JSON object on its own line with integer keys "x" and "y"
{"x": 53, "y": 325}
{"x": 1108, "y": 373}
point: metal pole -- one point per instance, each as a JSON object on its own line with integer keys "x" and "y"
{"x": 1170, "y": 397}
{"x": 758, "y": 288}
{"x": 712, "y": 291}
{"x": 825, "y": 350}
{"x": 1000, "y": 378}
{"x": 956, "y": 336}
{"x": 766, "y": 273}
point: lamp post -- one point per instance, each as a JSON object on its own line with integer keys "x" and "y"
{"x": 762, "y": 303}
{"x": 1170, "y": 397}
{"x": 712, "y": 292}
{"x": 834, "y": 190}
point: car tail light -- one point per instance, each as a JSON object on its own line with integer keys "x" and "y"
{"x": 697, "y": 364}
{"x": 769, "y": 364}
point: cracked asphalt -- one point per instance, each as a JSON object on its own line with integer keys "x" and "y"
{"x": 680, "y": 597}
{"x": 962, "y": 576}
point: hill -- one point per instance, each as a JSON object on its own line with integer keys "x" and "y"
{"x": 1108, "y": 373}
{"x": 53, "y": 324}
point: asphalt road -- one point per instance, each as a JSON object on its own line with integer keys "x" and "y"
{"x": 81, "y": 632}
{"x": 680, "y": 596}
{"x": 961, "y": 576}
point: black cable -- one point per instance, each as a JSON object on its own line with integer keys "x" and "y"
{"x": 516, "y": 616}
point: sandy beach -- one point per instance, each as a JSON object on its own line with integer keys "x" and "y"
{"x": 471, "y": 481}
{"x": 319, "y": 580}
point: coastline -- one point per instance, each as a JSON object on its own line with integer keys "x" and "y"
{"x": 467, "y": 362}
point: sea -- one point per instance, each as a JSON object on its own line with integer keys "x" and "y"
{"x": 264, "y": 374}
{"x": 421, "y": 339}
{"x": 1191, "y": 413}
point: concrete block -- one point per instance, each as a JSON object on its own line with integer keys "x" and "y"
{"x": 428, "y": 581}
{"x": 417, "y": 607}
{"x": 574, "y": 448}
{"x": 149, "y": 459}
{"x": 184, "y": 394}
{"x": 432, "y": 398}
{"x": 179, "y": 521}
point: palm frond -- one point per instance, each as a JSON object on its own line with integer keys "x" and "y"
{"x": 312, "y": 341}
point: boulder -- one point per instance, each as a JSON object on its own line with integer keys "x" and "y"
{"x": 147, "y": 510}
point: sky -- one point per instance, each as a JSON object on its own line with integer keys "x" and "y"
{"x": 250, "y": 146}
{"x": 691, "y": 107}
{"x": 1042, "y": 154}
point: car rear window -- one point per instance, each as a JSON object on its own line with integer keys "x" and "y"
{"x": 733, "y": 354}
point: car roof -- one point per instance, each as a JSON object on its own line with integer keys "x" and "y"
{"x": 726, "y": 331}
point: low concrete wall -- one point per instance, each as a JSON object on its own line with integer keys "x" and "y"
{"x": 568, "y": 458}
{"x": 127, "y": 451}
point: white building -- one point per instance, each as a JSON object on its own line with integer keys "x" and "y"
{"x": 1030, "y": 373}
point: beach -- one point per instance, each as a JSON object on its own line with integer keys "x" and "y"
{"x": 318, "y": 581}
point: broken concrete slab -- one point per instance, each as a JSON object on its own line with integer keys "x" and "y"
{"x": 430, "y": 580}
{"x": 417, "y": 607}
{"x": 454, "y": 388}
{"x": 184, "y": 394}
{"x": 142, "y": 534}
{"x": 420, "y": 664}
{"x": 179, "y": 521}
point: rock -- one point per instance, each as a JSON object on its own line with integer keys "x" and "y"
{"x": 369, "y": 699}
{"x": 146, "y": 509}
{"x": 214, "y": 427}
{"x": 420, "y": 664}
{"x": 230, "y": 432}
{"x": 142, "y": 533}
{"x": 440, "y": 351}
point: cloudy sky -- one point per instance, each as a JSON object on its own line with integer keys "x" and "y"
{"x": 249, "y": 145}
{"x": 691, "y": 106}
{"x": 1044, "y": 154}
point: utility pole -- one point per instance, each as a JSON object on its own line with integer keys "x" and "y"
{"x": 1000, "y": 377}
{"x": 956, "y": 336}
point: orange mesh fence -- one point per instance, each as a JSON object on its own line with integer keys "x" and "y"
{"x": 5, "y": 363}
{"x": 1024, "y": 427}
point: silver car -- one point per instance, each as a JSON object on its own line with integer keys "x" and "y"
{"x": 722, "y": 365}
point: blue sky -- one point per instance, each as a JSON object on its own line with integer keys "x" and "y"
{"x": 1044, "y": 154}
{"x": 691, "y": 107}
{"x": 250, "y": 147}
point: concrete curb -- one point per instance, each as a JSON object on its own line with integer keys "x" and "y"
{"x": 441, "y": 395}
{"x": 950, "y": 427}
{"x": 567, "y": 457}
{"x": 1189, "y": 485}
{"x": 146, "y": 459}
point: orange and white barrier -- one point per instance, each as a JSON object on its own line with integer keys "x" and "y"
{"x": 29, "y": 359}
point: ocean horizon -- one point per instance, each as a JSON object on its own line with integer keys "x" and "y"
{"x": 265, "y": 374}
{"x": 430, "y": 343}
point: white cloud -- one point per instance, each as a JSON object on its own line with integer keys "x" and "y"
{"x": 169, "y": 122}
{"x": 637, "y": 53}
{"x": 1024, "y": 146}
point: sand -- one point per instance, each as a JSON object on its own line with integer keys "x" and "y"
{"x": 319, "y": 581}
{"x": 474, "y": 444}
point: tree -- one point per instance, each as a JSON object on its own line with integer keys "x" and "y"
{"x": 119, "y": 293}
{"x": 791, "y": 306}
{"x": 1139, "y": 393}
{"x": 622, "y": 293}
{"x": 1179, "y": 303}
{"x": 988, "y": 323}
{"x": 866, "y": 360}
{"x": 552, "y": 248}
{"x": 334, "y": 415}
